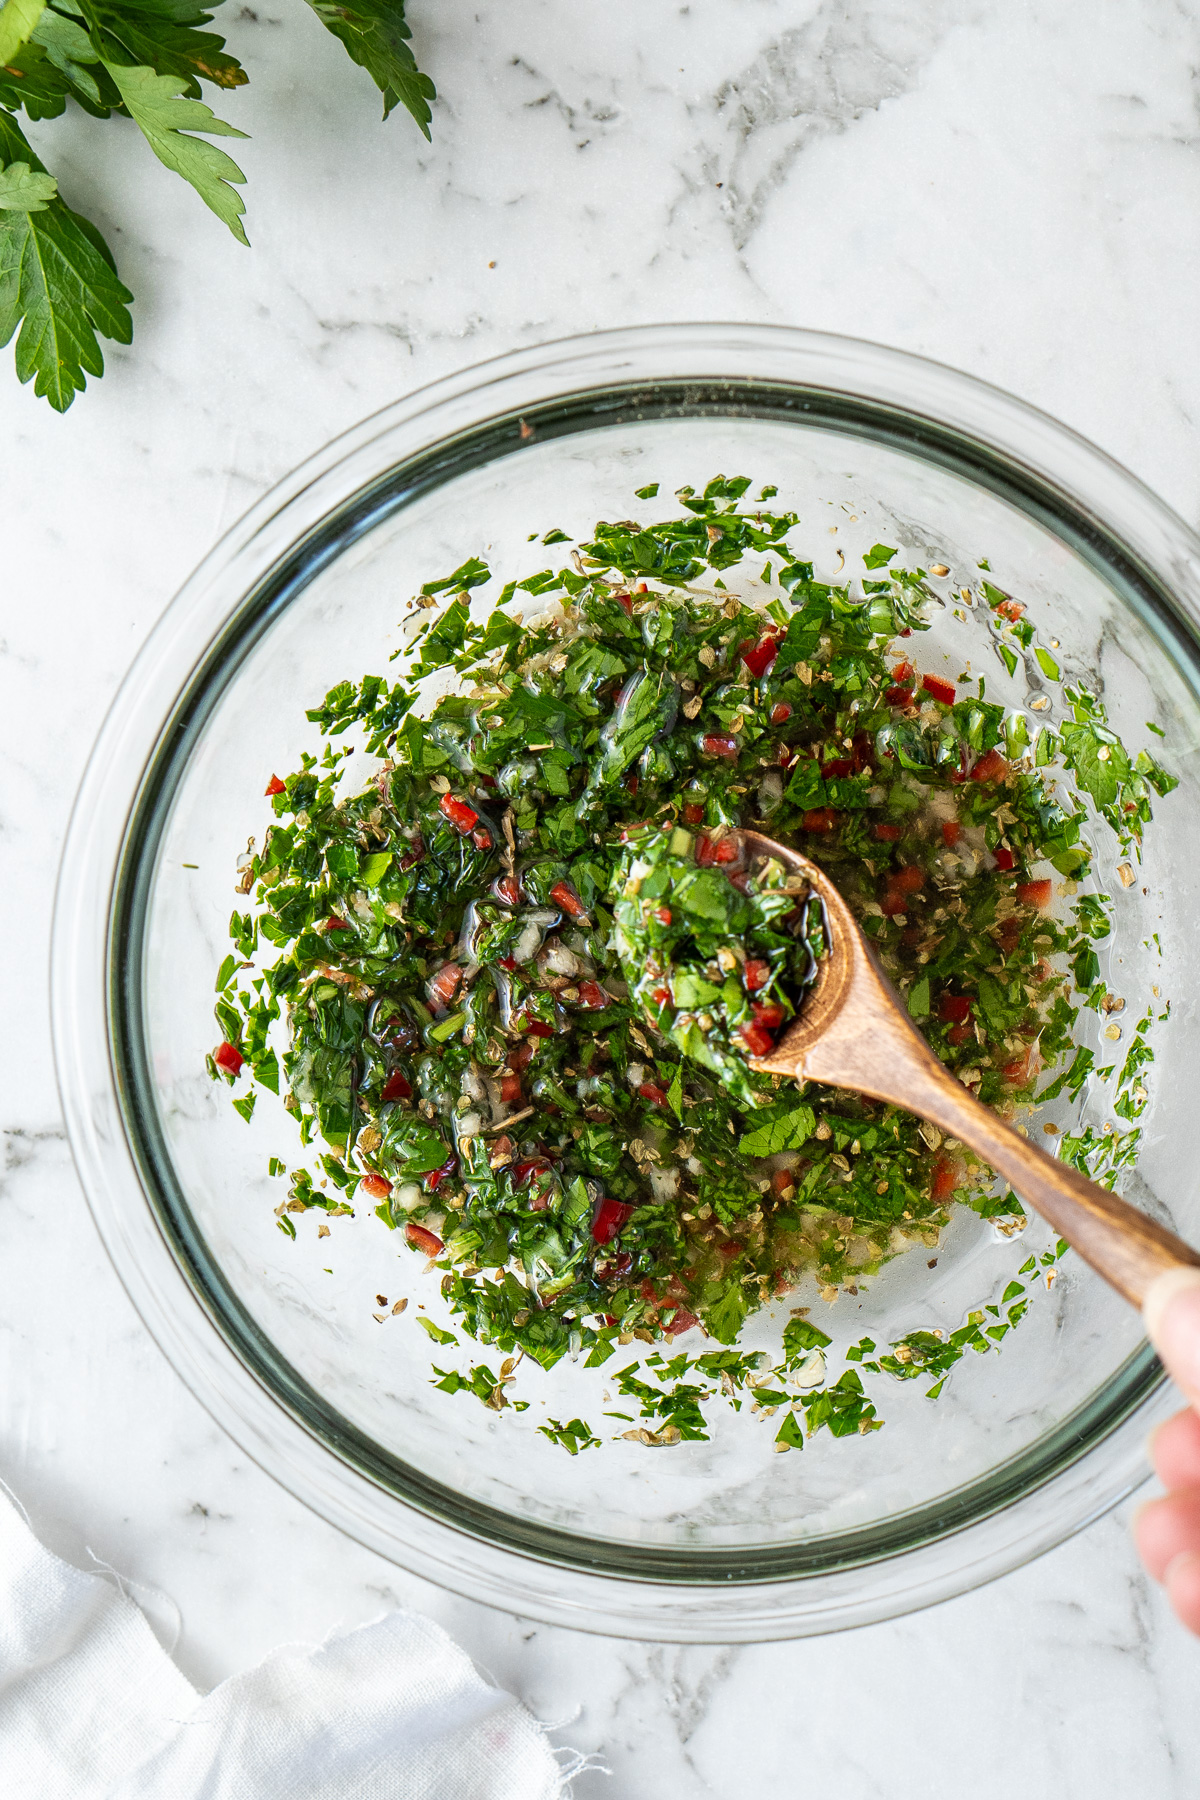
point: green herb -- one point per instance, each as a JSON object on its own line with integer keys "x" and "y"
{"x": 573, "y": 1438}
{"x": 142, "y": 60}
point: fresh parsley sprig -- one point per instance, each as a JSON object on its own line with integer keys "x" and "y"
{"x": 142, "y": 60}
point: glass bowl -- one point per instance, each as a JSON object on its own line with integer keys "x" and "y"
{"x": 717, "y": 1540}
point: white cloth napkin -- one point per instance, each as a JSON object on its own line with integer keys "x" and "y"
{"x": 92, "y": 1708}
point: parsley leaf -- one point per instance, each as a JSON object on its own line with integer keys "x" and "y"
{"x": 572, "y": 1437}
{"x": 58, "y": 282}
{"x": 376, "y": 37}
{"x": 22, "y": 189}
{"x": 157, "y": 106}
{"x": 18, "y": 18}
{"x": 161, "y": 35}
{"x": 783, "y": 1128}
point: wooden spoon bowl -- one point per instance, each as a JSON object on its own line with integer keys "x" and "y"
{"x": 853, "y": 1031}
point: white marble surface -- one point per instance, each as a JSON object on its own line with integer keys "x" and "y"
{"x": 1012, "y": 188}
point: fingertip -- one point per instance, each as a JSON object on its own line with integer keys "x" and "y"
{"x": 1147, "y": 1534}
{"x": 1181, "y": 1580}
{"x": 1175, "y": 1450}
{"x": 1167, "y": 1528}
{"x": 1171, "y": 1312}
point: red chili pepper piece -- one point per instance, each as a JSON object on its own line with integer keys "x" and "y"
{"x": 481, "y": 837}
{"x": 757, "y": 1039}
{"x": 536, "y": 1027}
{"x": 423, "y": 1239}
{"x": 730, "y": 1247}
{"x": 716, "y": 743}
{"x": 717, "y": 853}
{"x": 414, "y": 854}
{"x": 693, "y": 812}
{"x": 625, "y": 602}
{"x": 564, "y": 896}
{"x": 768, "y": 1013}
{"x": 1009, "y": 609}
{"x": 1009, "y": 935}
{"x": 1017, "y": 1071}
{"x": 508, "y": 889}
{"x": 839, "y": 767}
{"x": 944, "y": 1179}
{"x": 333, "y": 923}
{"x": 759, "y": 656}
{"x": 650, "y": 1090}
{"x": 782, "y": 1182}
{"x": 683, "y": 1321}
{"x": 904, "y": 674}
{"x": 464, "y": 818}
{"x": 510, "y": 1090}
{"x": 592, "y": 996}
{"x": 397, "y": 1087}
{"x": 228, "y": 1056}
{"x": 756, "y": 972}
{"x": 990, "y": 767}
{"x": 521, "y": 1055}
{"x": 376, "y": 1186}
{"x": 955, "y": 1008}
{"x": 951, "y": 832}
{"x": 275, "y": 786}
{"x": 663, "y": 914}
{"x": 661, "y": 996}
{"x": 1005, "y": 860}
{"x": 608, "y": 1218}
{"x": 616, "y": 1269}
{"x": 781, "y": 712}
{"x": 1035, "y": 893}
{"x": 958, "y": 1034}
{"x": 441, "y": 986}
{"x": 435, "y": 1177}
{"x": 944, "y": 691}
{"x": 506, "y": 962}
{"x": 907, "y": 880}
{"x": 821, "y": 819}
{"x": 632, "y": 784}
{"x": 900, "y": 884}
{"x": 898, "y": 696}
{"x": 526, "y": 1167}
{"x": 890, "y": 834}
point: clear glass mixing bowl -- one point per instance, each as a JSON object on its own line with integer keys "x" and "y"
{"x": 716, "y": 1540}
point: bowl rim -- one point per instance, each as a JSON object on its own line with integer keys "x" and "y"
{"x": 934, "y": 407}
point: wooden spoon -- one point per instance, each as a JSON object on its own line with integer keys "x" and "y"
{"x": 854, "y": 1031}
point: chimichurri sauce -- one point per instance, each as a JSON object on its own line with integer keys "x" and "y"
{"x": 589, "y": 1160}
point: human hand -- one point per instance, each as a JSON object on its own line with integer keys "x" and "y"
{"x": 1167, "y": 1531}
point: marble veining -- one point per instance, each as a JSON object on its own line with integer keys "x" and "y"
{"x": 1012, "y": 188}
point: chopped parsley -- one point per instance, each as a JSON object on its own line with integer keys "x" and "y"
{"x": 432, "y": 973}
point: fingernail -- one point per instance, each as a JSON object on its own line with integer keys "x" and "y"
{"x": 1171, "y": 1311}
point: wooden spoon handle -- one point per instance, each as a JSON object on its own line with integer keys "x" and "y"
{"x": 1119, "y": 1241}
{"x": 891, "y": 1061}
